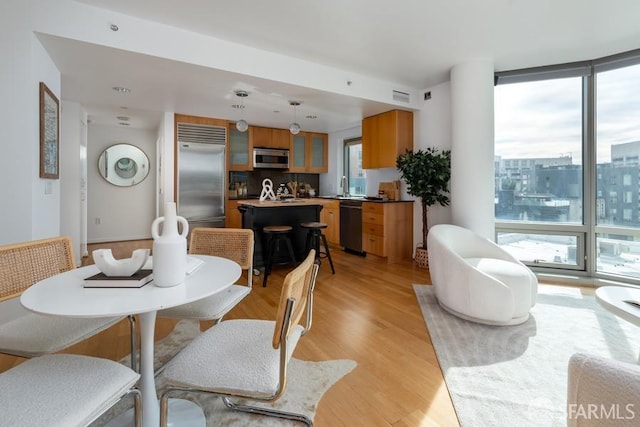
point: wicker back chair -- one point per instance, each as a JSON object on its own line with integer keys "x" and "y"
{"x": 27, "y": 334}
{"x": 235, "y": 244}
{"x": 248, "y": 358}
{"x": 23, "y": 264}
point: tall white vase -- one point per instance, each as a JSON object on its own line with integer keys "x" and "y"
{"x": 169, "y": 248}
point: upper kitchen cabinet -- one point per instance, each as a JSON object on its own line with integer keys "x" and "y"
{"x": 270, "y": 138}
{"x": 384, "y": 137}
{"x": 309, "y": 153}
{"x": 240, "y": 149}
{"x": 280, "y": 138}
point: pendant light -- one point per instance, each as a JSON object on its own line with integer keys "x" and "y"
{"x": 294, "y": 127}
{"x": 241, "y": 124}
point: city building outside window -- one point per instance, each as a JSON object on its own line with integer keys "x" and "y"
{"x": 567, "y": 144}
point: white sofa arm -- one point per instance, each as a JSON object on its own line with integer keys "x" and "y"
{"x": 602, "y": 392}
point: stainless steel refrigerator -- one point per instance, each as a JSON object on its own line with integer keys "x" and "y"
{"x": 201, "y": 182}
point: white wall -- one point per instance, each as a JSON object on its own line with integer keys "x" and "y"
{"x": 432, "y": 128}
{"x": 45, "y": 215}
{"x": 72, "y": 173}
{"x": 165, "y": 171}
{"x": 123, "y": 213}
{"x": 27, "y": 213}
{"x": 18, "y": 118}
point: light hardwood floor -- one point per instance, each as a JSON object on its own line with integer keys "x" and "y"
{"x": 367, "y": 312}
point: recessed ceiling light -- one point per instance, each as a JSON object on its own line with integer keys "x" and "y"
{"x": 121, "y": 89}
{"x": 123, "y": 118}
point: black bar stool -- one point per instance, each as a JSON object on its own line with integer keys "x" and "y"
{"x": 274, "y": 234}
{"x": 314, "y": 234}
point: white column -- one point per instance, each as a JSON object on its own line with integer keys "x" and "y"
{"x": 472, "y": 176}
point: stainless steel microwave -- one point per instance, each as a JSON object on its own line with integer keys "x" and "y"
{"x": 269, "y": 158}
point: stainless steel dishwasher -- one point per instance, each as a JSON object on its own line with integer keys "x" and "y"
{"x": 351, "y": 225}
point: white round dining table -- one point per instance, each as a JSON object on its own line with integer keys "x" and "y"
{"x": 65, "y": 295}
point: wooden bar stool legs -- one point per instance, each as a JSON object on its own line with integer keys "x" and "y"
{"x": 314, "y": 235}
{"x": 274, "y": 234}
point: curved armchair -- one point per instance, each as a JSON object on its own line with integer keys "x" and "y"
{"x": 477, "y": 280}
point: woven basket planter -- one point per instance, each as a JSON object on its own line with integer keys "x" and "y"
{"x": 422, "y": 257}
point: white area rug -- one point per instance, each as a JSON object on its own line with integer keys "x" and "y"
{"x": 306, "y": 384}
{"x": 516, "y": 376}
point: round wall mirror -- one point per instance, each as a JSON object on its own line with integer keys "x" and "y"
{"x": 123, "y": 165}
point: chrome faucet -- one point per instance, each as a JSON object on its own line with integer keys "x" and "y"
{"x": 344, "y": 186}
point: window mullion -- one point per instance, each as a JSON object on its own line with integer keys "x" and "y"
{"x": 590, "y": 171}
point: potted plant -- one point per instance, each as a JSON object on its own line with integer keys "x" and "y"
{"x": 427, "y": 173}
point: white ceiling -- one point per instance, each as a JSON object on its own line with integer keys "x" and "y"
{"x": 410, "y": 42}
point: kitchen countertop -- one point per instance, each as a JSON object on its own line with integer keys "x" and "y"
{"x": 310, "y": 201}
{"x": 280, "y": 203}
{"x": 363, "y": 199}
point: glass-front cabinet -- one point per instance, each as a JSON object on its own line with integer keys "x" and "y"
{"x": 309, "y": 153}
{"x": 298, "y": 154}
{"x": 240, "y": 149}
{"x": 319, "y": 153}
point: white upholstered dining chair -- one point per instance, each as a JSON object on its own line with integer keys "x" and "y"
{"x": 64, "y": 390}
{"x": 27, "y": 334}
{"x": 235, "y": 244}
{"x": 247, "y": 358}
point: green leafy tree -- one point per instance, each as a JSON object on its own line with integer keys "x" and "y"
{"x": 427, "y": 174}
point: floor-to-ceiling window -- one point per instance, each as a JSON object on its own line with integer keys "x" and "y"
{"x": 618, "y": 170}
{"x": 567, "y": 169}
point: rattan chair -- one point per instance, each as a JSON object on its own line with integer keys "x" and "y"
{"x": 27, "y": 334}
{"x": 235, "y": 244}
{"x": 247, "y": 358}
{"x": 64, "y": 390}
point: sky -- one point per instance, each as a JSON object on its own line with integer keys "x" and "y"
{"x": 544, "y": 118}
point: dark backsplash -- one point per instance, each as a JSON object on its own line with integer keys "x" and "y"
{"x": 254, "y": 179}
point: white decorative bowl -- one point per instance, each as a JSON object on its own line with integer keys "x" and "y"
{"x": 120, "y": 267}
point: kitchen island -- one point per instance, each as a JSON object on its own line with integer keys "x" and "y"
{"x": 258, "y": 214}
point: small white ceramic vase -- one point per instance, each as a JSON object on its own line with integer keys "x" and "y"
{"x": 169, "y": 248}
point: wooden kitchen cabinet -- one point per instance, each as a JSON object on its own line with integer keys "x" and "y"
{"x": 280, "y": 138}
{"x": 318, "y": 153}
{"x": 384, "y": 137}
{"x": 270, "y": 137}
{"x": 330, "y": 215}
{"x": 261, "y": 137}
{"x": 309, "y": 153}
{"x": 240, "y": 152}
{"x": 387, "y": 230}
{"x": 233, "y": 217}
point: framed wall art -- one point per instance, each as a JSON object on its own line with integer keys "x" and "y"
{"x": 49, "y": 133}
